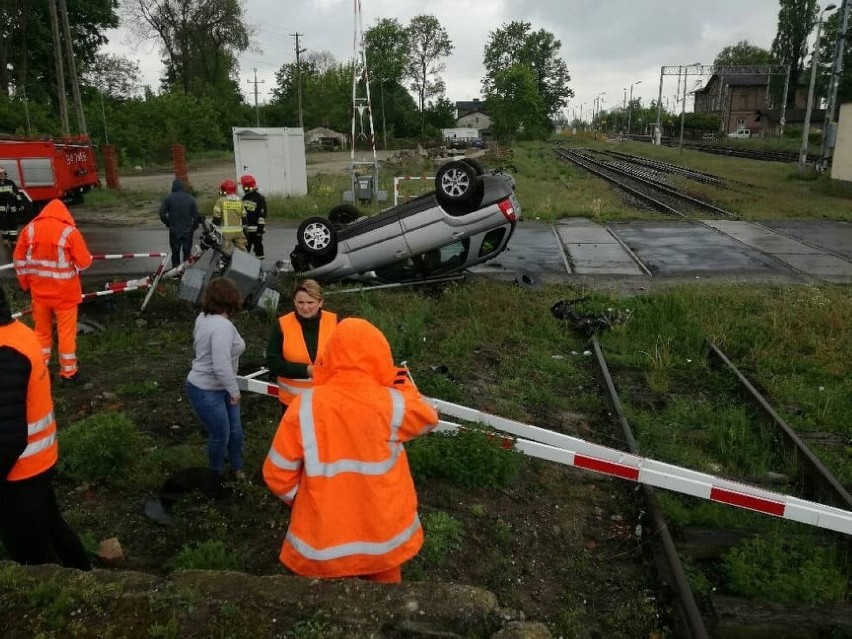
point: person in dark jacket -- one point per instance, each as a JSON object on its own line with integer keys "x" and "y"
{"x": 179, "y": 211}
{"x": 31, "y": 527}
{"x": 254, "y": 223}
{"x": 12, "y": 203}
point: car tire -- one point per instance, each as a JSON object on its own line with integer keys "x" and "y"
{"x": 343, "y": 214}
{"x": 476, "y": 165}
{"x": 316, "y": 236}
{"x": 456, "y": 182}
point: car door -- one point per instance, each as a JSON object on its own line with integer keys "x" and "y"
{"x": 374, "y": 241}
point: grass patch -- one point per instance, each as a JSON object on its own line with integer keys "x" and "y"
{"x": 785, "y": 570}
{"x": 208, "y": 555}
{"x": 99, "y": 448}
{"x": 759, "y": 190}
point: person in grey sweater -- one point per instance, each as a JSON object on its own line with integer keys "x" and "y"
{"x": 179, "y": 211}
{"x": 212, "y": 382}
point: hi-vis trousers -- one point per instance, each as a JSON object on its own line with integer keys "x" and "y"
{"x": 66, "y": 329}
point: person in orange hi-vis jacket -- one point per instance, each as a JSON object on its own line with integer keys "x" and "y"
{"x": 338, "y": 460}
{"x": 49, "y": 256}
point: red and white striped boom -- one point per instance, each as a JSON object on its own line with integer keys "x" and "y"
{"x": 572, "y": 451}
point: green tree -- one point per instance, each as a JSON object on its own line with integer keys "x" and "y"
{"x": 326, "y": 93}
{"x": 200, "y": 41}
{"x": 515, "y": 104}
{"x": 387, "y": 46}
{"x": 741, "y": 54}
{"x": 26, "y": 44}
{"x": 796, "y": 20}
{"x": 516, "y": 44}
{"x": 429, "y": 44}
{"x": 114, "y": 76}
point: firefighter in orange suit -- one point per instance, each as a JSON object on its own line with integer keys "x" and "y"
{"x": 49, "y": 256}
{"x": 31, "y": 527}
{"x": 298, "y": 339}
{"x": 338, "y": 460}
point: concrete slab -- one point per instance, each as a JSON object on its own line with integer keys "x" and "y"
{"x": 827, "y": 234}
{"x": 681, "y": 248}
{"x": 763, "y": 239}
{"x": 593, "y": 250}
{"x": 533, "y": 248}
{"x": 805, "y": 258}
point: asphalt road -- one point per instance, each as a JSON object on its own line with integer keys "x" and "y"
{"x": 636, "y": 253}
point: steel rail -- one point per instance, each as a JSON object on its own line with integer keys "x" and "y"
{"x": 816, "y": 472}
{"x": 582, "y": 162}
{"x": 652, "y": 184}
{"x": 692, "y": 620}
{"x": 699, "y": 176}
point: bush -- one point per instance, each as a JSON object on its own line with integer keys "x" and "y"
{"x": 208, "y": 555}
{"x": 99, "y": 448}
{"x": 785, "y": 570}
{"x": 469, "y": 458}
{"x": 442, "y": 535}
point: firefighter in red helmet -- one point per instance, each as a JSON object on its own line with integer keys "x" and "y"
{"x": 254, "y": 223}
{"x": 228, "y": 215}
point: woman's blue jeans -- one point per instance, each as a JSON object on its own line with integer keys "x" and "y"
{"x": 221, "y": 421}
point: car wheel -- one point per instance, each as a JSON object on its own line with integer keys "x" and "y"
{"x": 343, "y": 214}
{"x": 476, "y": 165}
{"x": 316, "y": 236}
{"x": 456, "y": 182}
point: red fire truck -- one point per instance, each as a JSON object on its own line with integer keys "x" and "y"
{"x": 49, "y": 168}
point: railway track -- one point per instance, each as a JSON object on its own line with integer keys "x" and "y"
{"x": 749, "y": 154}
{"x": 646, "y": 186}
{"x": 686, "y": 554}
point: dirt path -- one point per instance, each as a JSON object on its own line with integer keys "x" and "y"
{"x": 206, "y": 179}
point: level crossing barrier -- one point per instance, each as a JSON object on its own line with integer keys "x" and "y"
{"x": 578, "y": 453}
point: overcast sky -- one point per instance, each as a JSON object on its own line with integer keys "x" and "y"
{"x": 606, "y": 44}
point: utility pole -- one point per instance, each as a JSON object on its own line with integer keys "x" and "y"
{"x": 72, "y": 69}
{"x": 255, "y": 82}
{"x": 299, "y": 53}
{"x": 829, "y": 129}
{"x": 803, "y": 152}
{"x": 60, "y": 70}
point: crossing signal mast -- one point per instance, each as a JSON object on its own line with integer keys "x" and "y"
{"x": 364, "y": 173}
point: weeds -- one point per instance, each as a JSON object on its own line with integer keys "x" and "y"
{"x": 468, "y": 458}
{"x": 443, "y": 535}
{"x": 785, "y": 570}
{"x": 99, "y": 448}
{"x": 207, "y": 555}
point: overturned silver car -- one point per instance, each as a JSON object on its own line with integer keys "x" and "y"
{"x": 467, "y": 220}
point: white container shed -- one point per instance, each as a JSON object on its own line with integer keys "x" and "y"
{"x": 274, "y": 156}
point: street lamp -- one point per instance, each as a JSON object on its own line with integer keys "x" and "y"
{"x": 630, "y": 113}
{"x": 803, "y": 153}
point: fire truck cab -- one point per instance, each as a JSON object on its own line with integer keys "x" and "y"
{"x": 46, "y": 169}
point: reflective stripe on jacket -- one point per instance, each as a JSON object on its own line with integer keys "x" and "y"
{"x": 228, "y": 213}
{"x": 338, "y": 459}
{"x": 42, "y": 451}
{"x": 295, "y": 350}
{"x": 49, "y": 255}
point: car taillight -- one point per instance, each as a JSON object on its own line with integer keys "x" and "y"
{"x": 507, "y": 209}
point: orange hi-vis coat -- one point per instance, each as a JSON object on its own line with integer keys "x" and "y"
{"x": 49, "y": 255}
{"x": 42, "y": 451}
{"x": 294, "y": 350}
{"x": 337, "y": 458}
